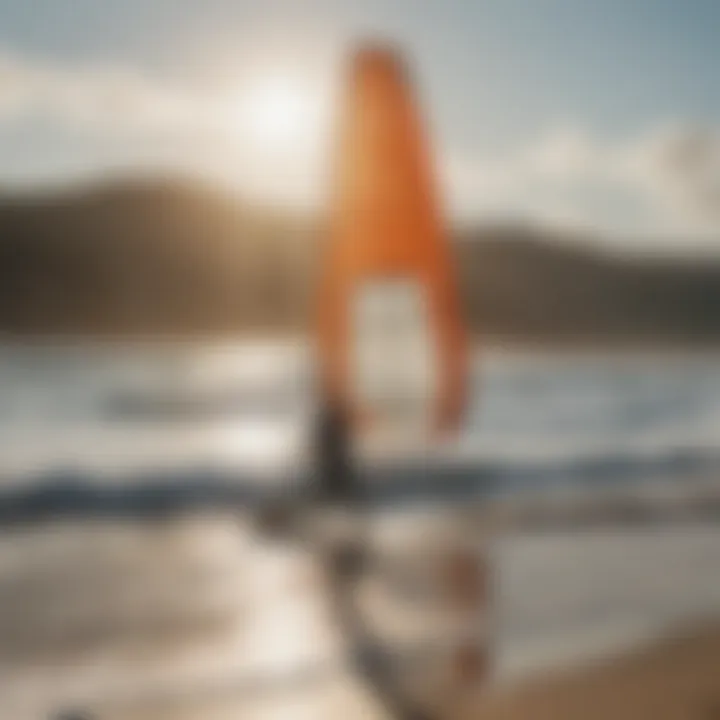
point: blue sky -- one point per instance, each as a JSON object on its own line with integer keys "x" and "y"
{"x": 599, "y": 114}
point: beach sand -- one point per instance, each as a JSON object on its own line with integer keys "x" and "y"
{"x": 158, "y": 620}
{"x": 677, "y": 678}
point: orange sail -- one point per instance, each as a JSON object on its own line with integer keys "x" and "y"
{"x": 388, "y": 244}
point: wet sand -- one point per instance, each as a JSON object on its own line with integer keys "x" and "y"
{"x": 188, "y": 618}
{"x": 674, "y": 679}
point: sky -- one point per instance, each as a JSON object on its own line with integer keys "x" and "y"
{"x": 593, "y": 115}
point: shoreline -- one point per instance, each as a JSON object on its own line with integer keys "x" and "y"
{"x": 493, "y": 343}
{"x": 70, "y": 497}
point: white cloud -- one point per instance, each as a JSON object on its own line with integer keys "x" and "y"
{"x": 565, "y": 154}
{"x": 664, "y": 182}
{"x": 680, "y": 165}
{"x": 109, "y": 99}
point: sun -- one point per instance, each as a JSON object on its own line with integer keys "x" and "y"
{"x": 276, "y": 126}
{"x": 277, "y": 113}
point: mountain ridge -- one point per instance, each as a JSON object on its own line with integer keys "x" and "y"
{"x": 181, "y": 258}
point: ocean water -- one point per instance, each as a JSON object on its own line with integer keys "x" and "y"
{"x": 104, "y": 413}
{"x": 192, "y": 605}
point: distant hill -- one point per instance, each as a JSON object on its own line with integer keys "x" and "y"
{"x": 524, "y": 285}
{"x": 178, "y": 258}
{"x": 152, "y": 257}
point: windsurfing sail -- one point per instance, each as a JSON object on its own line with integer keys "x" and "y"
{"x": 391, "y": 339}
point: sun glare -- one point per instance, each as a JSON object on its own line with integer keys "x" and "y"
{"x": 278, "y": 113}
{"x": 278, "y": 122}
